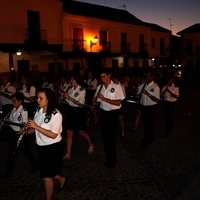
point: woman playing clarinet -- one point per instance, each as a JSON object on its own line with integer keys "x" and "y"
{"x": 47, "y": 124}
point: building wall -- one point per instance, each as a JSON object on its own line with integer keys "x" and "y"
{"x": 13, "y": 19}
{"x": 91, "y": 27}
{"x": 191, "y": 60}
{"x": 155, "y": 52}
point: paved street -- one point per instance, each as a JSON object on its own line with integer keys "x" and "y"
{"x": 167, "y": 170}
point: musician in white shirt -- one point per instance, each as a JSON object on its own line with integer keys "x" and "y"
{"x": 6, "y": 91}
{"x": 18, "y": 116}
{"x": 76, "y": 119}
{"x": 169, "y": 94}
{"x": 109, "y": 95}
{"x": 149, "y": 95}
{"x": 47, "y": 125}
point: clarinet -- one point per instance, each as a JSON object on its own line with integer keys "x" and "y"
{"x": 24, "y": 132}
{"x": 93, "y": 105}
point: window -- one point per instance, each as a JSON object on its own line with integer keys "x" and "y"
{"x": 78, "y": 39}
{"x": 123, "y": 38}
{"x": 188, "y": 46}
{"x": 153, "y": 43}
{"x": 33, "y": 18}
{"x": 103, "y": 37}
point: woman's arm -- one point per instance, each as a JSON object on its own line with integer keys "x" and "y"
{"x": 46, "y": 132}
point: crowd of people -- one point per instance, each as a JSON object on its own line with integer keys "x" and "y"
{"x": 58, "y": 108}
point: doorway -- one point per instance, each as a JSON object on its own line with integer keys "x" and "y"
{"x": 23, "y": 68}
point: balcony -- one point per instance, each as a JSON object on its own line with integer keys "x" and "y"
{"x": 125, "y": 47}
{"x": 105, "y": 46}
{"x": 143, "y": 51}
{"x": 78, "y": 45}
{"x": 42, "y": 39}
{"x": 142, "y": 48}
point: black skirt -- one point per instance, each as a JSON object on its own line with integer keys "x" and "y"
{"x": 76, "y": 119}
{"x": 50, "y": 159}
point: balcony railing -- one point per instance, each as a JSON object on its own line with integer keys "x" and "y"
{"x": 142, "y": 48}
{"x": 78, "y": 45}
{"x": 125, "y": 47}
{"x": 105, "y": 46}
{"x": 43, "y": 36}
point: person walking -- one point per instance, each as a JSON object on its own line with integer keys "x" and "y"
{"x": 169, "y": 94}
{"x": 47, "y": 125}
{"x": 91, "y": 86}
{"x": 18, "y": 115}
{"x": 109, "y": 95}
{"x": 115, "y": 78}
{"x": 76, "y": 120}
{"x": 138, "y": 108}
{"x": 149, "y": 95}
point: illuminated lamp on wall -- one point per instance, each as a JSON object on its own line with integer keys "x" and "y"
{"x": 92, "y": 43}
{"x": 18, "y": 52}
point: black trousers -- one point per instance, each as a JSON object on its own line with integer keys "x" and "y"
{"x": 108, "y": 121}
{"x": 148, "y": 117}
{"x": 168, "y": 110}
{"x": 24, "y": 147}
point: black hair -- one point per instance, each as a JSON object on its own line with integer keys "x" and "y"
{"x": 18, "y": 95}
{"x": 76, "y": 76}
{"x": 52, "y": 103}
{"x": 29, "y": 82}
{"x": 105, "y": 70}
{"x": 149, "y": 71}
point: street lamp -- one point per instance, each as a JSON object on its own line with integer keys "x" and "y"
{"x": 18, "y": 52}
{"x": 93, "y": 42}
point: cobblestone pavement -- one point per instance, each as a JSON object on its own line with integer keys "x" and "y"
{"x": 168, "y": 169}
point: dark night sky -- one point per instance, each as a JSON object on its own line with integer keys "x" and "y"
{"x": 183, "y": 13}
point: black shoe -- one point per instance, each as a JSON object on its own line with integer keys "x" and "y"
{"x": 61, "y": 188}
{"x": 33, "y": 169}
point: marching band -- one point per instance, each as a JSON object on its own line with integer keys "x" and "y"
{"x": 52, "y": 120}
